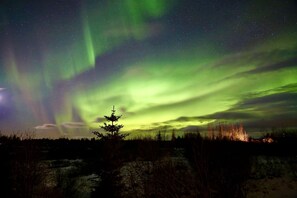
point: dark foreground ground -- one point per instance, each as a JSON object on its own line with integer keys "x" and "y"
{"x": 187, "y": 167}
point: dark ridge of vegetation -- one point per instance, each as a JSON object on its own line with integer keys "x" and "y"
{"x": 183, "y": 167}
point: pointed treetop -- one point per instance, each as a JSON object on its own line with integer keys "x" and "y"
{"x": 113, "y": 117}
{"x": 113, "y": 110}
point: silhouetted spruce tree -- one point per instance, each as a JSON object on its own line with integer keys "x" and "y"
{"x": 111, "y": 158}
{"x": 112, "y": 129}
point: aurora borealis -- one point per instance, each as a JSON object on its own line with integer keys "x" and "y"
{"x": 163, "y": 63}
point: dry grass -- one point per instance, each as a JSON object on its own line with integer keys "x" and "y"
{"x": 234, "y": 132}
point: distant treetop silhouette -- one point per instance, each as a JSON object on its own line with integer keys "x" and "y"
{"x": 112, "y": 129}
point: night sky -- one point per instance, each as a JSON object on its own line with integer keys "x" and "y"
{"x": 164, "y": 64}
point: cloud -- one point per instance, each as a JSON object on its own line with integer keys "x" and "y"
{"x": 287, "y": 88}
{"x": 229, "y": 115}
{"x": 191, "y": 128}
{"x": 46, "y": 126}
{"x": 274, "y": 67}
{"x": 290, "y": 63}
{"x": 67, "y": 129}
{"x": 256, "y": 63}
{"x": 99, "y": 120}
{"x": 264, "y": 111}
{"x": 74, "y": 125}
{"x": 255, "y": 111}
{"x": 47, "y": 131}
{"x": 270, "y": 102}
{"x": 268, "y": 105}
{"x": 186, "y": 119}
